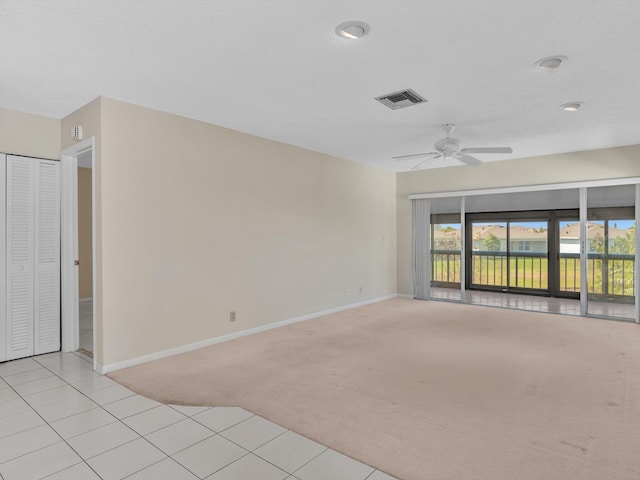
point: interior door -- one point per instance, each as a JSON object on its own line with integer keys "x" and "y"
{"x": 47, "y": 258}
{"x": 20, "y": 244}
{"x": 3, "y": 256}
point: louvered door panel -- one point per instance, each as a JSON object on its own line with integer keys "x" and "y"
{"x": 20, "y": 248}
{"x": 3, "y": 257}
{"x": 47, "y": 257}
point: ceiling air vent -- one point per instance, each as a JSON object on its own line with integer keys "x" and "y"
{"x": 401, "y": 99}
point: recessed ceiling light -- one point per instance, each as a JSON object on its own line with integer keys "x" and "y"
{"x": 353, "y": 29}
{"x": 571, "y": 106}
{"x": 551, "y": 63}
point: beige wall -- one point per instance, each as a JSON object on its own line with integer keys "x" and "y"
{"x": 29, "y": 135}
{"x": 199, "y": 220}
{"x": 569, "y": 167}
{"x": 90, "y": 117}
{"x": 84, "y": 232}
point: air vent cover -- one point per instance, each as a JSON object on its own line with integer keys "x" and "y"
{"x": 401, "y": 99}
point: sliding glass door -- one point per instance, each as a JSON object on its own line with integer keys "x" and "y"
{"x": 510, "y": 255}
{"x": 528, "y": 255}
{"x": 569, "y": 257}
{"x": 611, "y": 237}
{"x": 446, "y": 257}
{"x": 489, "y": 256}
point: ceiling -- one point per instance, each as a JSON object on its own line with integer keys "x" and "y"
{"x": 277, "y": 69}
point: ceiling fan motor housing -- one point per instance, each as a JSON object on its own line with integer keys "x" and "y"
{"x": 448, "y": 146}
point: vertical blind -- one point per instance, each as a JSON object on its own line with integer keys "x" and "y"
{"x": 421, "y": 248}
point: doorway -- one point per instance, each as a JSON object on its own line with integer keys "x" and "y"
{"x": 85, "y": 253}
{"x": 78, "y": 245}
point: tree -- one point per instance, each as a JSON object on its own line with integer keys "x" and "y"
{"x": 597, "y": 244}
{"x": 625, "y": 245}
{"x": 491, "y": 243}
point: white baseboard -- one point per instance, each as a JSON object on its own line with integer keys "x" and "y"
{"x": 402, "y": 295}
{"x": 86, "y": 300}
{"x": 112, "y": 367}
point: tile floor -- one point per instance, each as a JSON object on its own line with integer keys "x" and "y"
{"x": 563, "y": 306}
{"x": 59, "y": 420}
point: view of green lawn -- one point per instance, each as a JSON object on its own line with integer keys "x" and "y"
{"x": 532, "y": 272}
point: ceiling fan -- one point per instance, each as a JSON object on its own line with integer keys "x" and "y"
{"x": 451, "y": 148}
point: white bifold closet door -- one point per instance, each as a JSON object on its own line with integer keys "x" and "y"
{"x": 33, "y": 256}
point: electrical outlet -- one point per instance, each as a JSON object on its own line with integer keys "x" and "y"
{"x": 232, "y": 316}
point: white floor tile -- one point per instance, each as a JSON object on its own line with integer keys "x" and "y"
{"x": 18, "y": 366}
{"x": 39, "y": 385}
{"x": 166, "y": 469}
{"x": 40, "y": 463}
{"x": 153, "y": 419}
{"x": 19, "y": 423}
{"x": 221, "y": 418}
{"x": 12, "y": 407}
{"x": 126, "y": 460}
{"x": 67, "y": 364}
{"x": 55, "y": 395}
{"x": 290, "y": 451}
{"x": 111, "y": 394}
{"x": 102, "y": 439}
{"x": 189, "y": 410}
{"x": 332, "y": 464}
{"x": 7, "y": 394}
{"x": 80, "y": 471}
{"x": 378, "y": 475}
{"x": 26, "y": 377}
{"x": 130, "y": 406}
{"x": 64, "y": 409}
{"x": 249, "y": 467}
{"x": 209, "y": 456}
{"x": 179, "y": 436}
{"x": 253, "y": 432}
{"x": 26, "y": 442}
{"x": 77, "y": 375}
{"x": 94, "y": 383}
{"x": 83, "y": 422}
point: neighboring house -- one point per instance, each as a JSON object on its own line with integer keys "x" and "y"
{"x": 523, "y": 239}
{"x": 526, "y": 239}
{"x": 570, "y": 236}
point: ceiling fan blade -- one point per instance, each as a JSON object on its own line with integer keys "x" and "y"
{"x": 425, "y": 161}
{"x": 473, "y": 161}
{"x": 487, "y": 150}
{"x": 404, "y": 157}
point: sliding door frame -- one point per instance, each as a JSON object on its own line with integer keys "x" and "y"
{"x": 507, "y": 217}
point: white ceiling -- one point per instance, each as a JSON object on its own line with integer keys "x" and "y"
{"x": 276, "y": 68}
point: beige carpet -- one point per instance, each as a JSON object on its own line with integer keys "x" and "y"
{"x": 433, "y": 390}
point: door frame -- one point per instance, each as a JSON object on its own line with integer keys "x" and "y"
{"x": 69, "y": 241}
